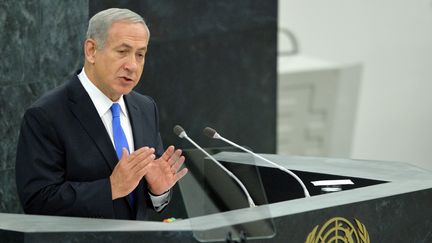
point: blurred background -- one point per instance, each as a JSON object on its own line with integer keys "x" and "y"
{"x": 389, "y": 46}
{"x": 334, "y": 78}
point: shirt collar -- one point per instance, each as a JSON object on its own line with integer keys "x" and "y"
{"x": 99, "y": 99}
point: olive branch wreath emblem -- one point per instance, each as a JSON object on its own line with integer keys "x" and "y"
{"x": 339, "y": 229}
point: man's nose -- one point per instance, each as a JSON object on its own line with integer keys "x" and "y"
{"x": 131, "y": 63}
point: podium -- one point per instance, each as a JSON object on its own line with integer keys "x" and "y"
{"x": 389, "y": 202}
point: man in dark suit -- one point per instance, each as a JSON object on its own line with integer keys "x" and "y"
{"x": 91, "y": 147}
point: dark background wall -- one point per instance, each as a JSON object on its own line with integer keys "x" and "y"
{"x": 210, "y": 63}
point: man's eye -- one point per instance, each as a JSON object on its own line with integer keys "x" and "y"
{"x": 121, "y": 51}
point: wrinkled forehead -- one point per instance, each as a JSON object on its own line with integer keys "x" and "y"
{"x": 134, "y": 25}
{"x": 126, "y": 31}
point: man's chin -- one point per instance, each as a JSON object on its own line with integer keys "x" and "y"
{"x": 126, "y": 90}
{"x": 126, "y": 87}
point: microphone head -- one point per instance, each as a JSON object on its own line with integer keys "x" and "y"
{"x": 209, "y": 132}
{"x": 179, "y": 131}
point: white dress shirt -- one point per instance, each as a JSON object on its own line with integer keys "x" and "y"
{"x": 103, "y": 105}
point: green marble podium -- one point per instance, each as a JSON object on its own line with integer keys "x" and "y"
{"x": 397, "y": 208}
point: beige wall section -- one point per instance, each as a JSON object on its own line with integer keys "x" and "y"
{"x": 392, "y": 39}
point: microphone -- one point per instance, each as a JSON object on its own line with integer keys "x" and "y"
{"x": 210, "y": 132}
{"x": 179, "y": 131}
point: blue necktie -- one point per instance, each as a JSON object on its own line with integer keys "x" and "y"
{"x": 119, "y": 136}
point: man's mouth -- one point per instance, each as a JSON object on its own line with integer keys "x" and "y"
{"x": 128, "y": 79}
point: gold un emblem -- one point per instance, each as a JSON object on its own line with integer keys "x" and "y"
{"x": 339, "y": 230}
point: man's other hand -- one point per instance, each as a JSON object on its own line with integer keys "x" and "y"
{"x": 164, "y": 172}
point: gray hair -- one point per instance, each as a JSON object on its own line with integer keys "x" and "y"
{"x": 102, "y": 21}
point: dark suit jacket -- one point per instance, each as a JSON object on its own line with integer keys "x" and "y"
{"x": 65, "y": 155}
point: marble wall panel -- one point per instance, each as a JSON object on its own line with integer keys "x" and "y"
{"x": 19, "y": 21}
{"x": 9, "y": 202}
{"x": 8, "y": 148}
{"x": 14, "y": 100}
{"x": 62, "y": 35}
{"x": 171, "y": 19}
{"x": 41, "y": 48}
{"x": 205, "y": 82}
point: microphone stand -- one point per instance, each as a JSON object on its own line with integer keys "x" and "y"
{"x": 182, "y": 134}
{"x": 213, "y": 134}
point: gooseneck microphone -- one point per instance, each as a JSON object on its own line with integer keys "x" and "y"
{"x": 179, "y": 131}
{"x": 210, "y": 132}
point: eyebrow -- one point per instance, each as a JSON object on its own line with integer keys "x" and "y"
{"x": 130, "y": 47}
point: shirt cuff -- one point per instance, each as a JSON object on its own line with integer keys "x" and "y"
{"x": 159, "y": 202}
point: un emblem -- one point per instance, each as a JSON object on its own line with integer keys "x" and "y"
{"x": 339, "y": 230}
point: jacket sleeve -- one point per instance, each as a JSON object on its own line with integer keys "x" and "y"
{"x": 41, "y": 174}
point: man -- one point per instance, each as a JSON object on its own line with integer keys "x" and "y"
{"x": 91, "y": 147}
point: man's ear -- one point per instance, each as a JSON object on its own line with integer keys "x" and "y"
{"x": 90, "y": 48}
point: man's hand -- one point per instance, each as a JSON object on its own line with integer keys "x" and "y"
{"x": 163, "y": 173}
{"x": 130, "y": 170}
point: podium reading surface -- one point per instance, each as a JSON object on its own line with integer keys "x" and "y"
{"x": 393, "y": 204}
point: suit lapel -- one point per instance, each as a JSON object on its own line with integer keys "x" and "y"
{"x": 137, "y": 123}
{"x": 86, "y": 113}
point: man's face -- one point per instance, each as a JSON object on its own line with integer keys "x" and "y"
{"x": 119, "y": 64}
